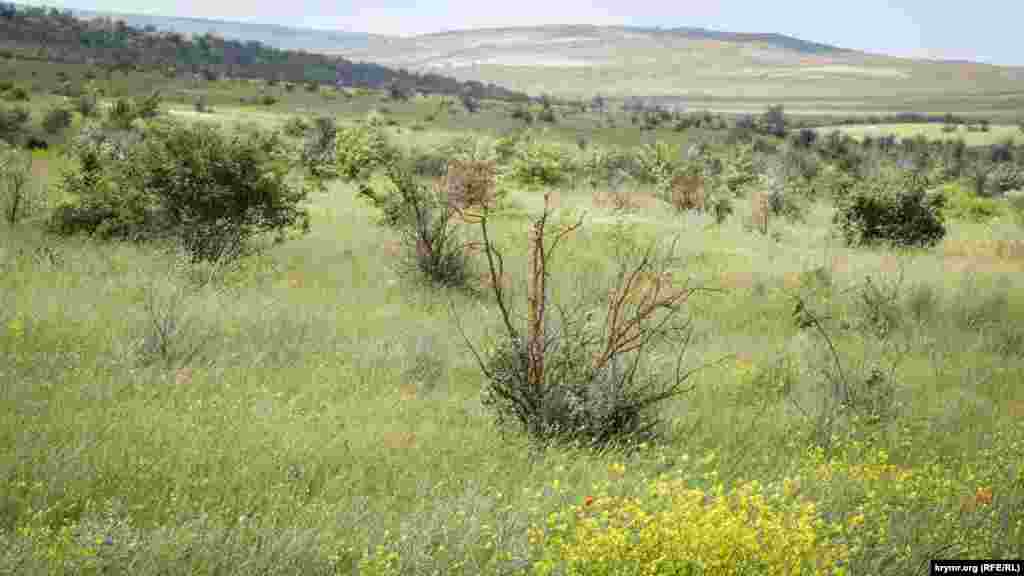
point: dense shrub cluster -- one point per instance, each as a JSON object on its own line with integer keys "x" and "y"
{"x": 363, "y": 148}
{"x": 892, "y": 209}
{"x": 190, "y": 183}
{"x": 535, "y": 163}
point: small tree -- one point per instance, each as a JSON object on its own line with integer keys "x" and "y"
{"x": 191, "y": 183}
{"x": 15, "y": 167}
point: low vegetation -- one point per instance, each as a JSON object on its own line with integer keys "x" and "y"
{"x": 322, "y": 343}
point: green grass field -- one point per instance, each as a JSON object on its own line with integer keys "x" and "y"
{"x": 331, "y": 412}
{"x": 995, "y": 135}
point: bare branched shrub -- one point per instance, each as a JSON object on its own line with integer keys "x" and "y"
{"x": 171, "y": 334}
{"x": 687, "y": 192}
{"x": 470, "y": 183}
{"x": 760, "y": 211}
{"x": 573, "y": 378}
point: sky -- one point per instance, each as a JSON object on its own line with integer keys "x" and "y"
{"x": 980, "y": 30}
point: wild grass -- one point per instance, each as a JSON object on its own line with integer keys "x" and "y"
{"x": 996, "y": 133}
{"x": 317, "y": 413}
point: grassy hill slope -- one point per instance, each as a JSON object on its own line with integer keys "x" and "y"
{"x": 694, "y": 66}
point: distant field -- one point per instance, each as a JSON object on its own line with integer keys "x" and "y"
{"x": 580, "y": 61}
{"x": 997, "y": 133}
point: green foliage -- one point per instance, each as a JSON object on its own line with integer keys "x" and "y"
{"x": 534, "y": 164}
{"x": 963, "y": 204}
{"x": 1016, "y": 206}
{"x": 57, "y": 120}
{"x": 892, "y": 209}
{"x": 362, "y": 149}
{"x": 148, "y": 107}
{"x": 319, "y": 151}
{"x": 15, "y": 198}
{"x": 295, "y": 127}
{"x": 190, "y": 183}
{"x": 12, "y": 122}
{"x": 17, "y": 94}
{"x": 86, "y": 104}
{"x": 657, "y": 163}
{"x": 432, "y": 248}
{"x": 1004, "y": 177}
{"x": 604, "y": 167}
{"x": 738, "y": 171}
{"x": 121, "y": 114}
{"x": 833, "y": 183}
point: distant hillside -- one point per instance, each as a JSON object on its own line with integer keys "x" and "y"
{"x": 37, "y": 33}
{"x": 281, "y": 37}
{"x": 690, "y": 64}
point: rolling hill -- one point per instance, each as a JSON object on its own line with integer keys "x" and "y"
{"x": 691, "y": 64}
{"x": 280, "y": 37}
{"x": 726, "y": 71}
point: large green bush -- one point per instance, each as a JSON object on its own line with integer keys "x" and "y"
{"x": 206, "y": 189}
{"x": 361, "y": 149}
{"x": 536, "y": 164}
{"x": 891, "y": 209}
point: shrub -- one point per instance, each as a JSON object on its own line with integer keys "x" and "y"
{"x": 148, "y": 107}
{"x": 56, "y": 120}
{"x": 686, "y": 192}
{"x": 190, "y": 183}
{"x": 17, "y": 94}
{"x": 522, "y": 113}
{"x": 121, "y": 114}
{"x": 603, "y": 167}
{"x": 319, "y": 151}
{"x": 12, "y": 122}
{"x": 268, "y": 100}
{"x": 657, "y": 163}
{"x": 580, "y": 380}
{"x": 1016, "y": 205}
{"x": 86, "y": 104}
{"x": 361, "y": 149}
{"x": 426, "y": 220}
{"x": 470, "y": 182}
{"x": 1004, "y": 177}
{"x": 15, "y": 198}
{"x": 534, "y": 163}
{"x": 962, "y": 204}
{"x": 296, "y": 126}
{"x": 891, "y": 209}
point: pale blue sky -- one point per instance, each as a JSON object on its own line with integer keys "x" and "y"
{"x": 981, "y": 30}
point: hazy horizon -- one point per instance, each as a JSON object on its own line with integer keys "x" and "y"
{"x": 914, "y": 28}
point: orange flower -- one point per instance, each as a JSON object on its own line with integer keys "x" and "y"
{"x": 588, "y": 500}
